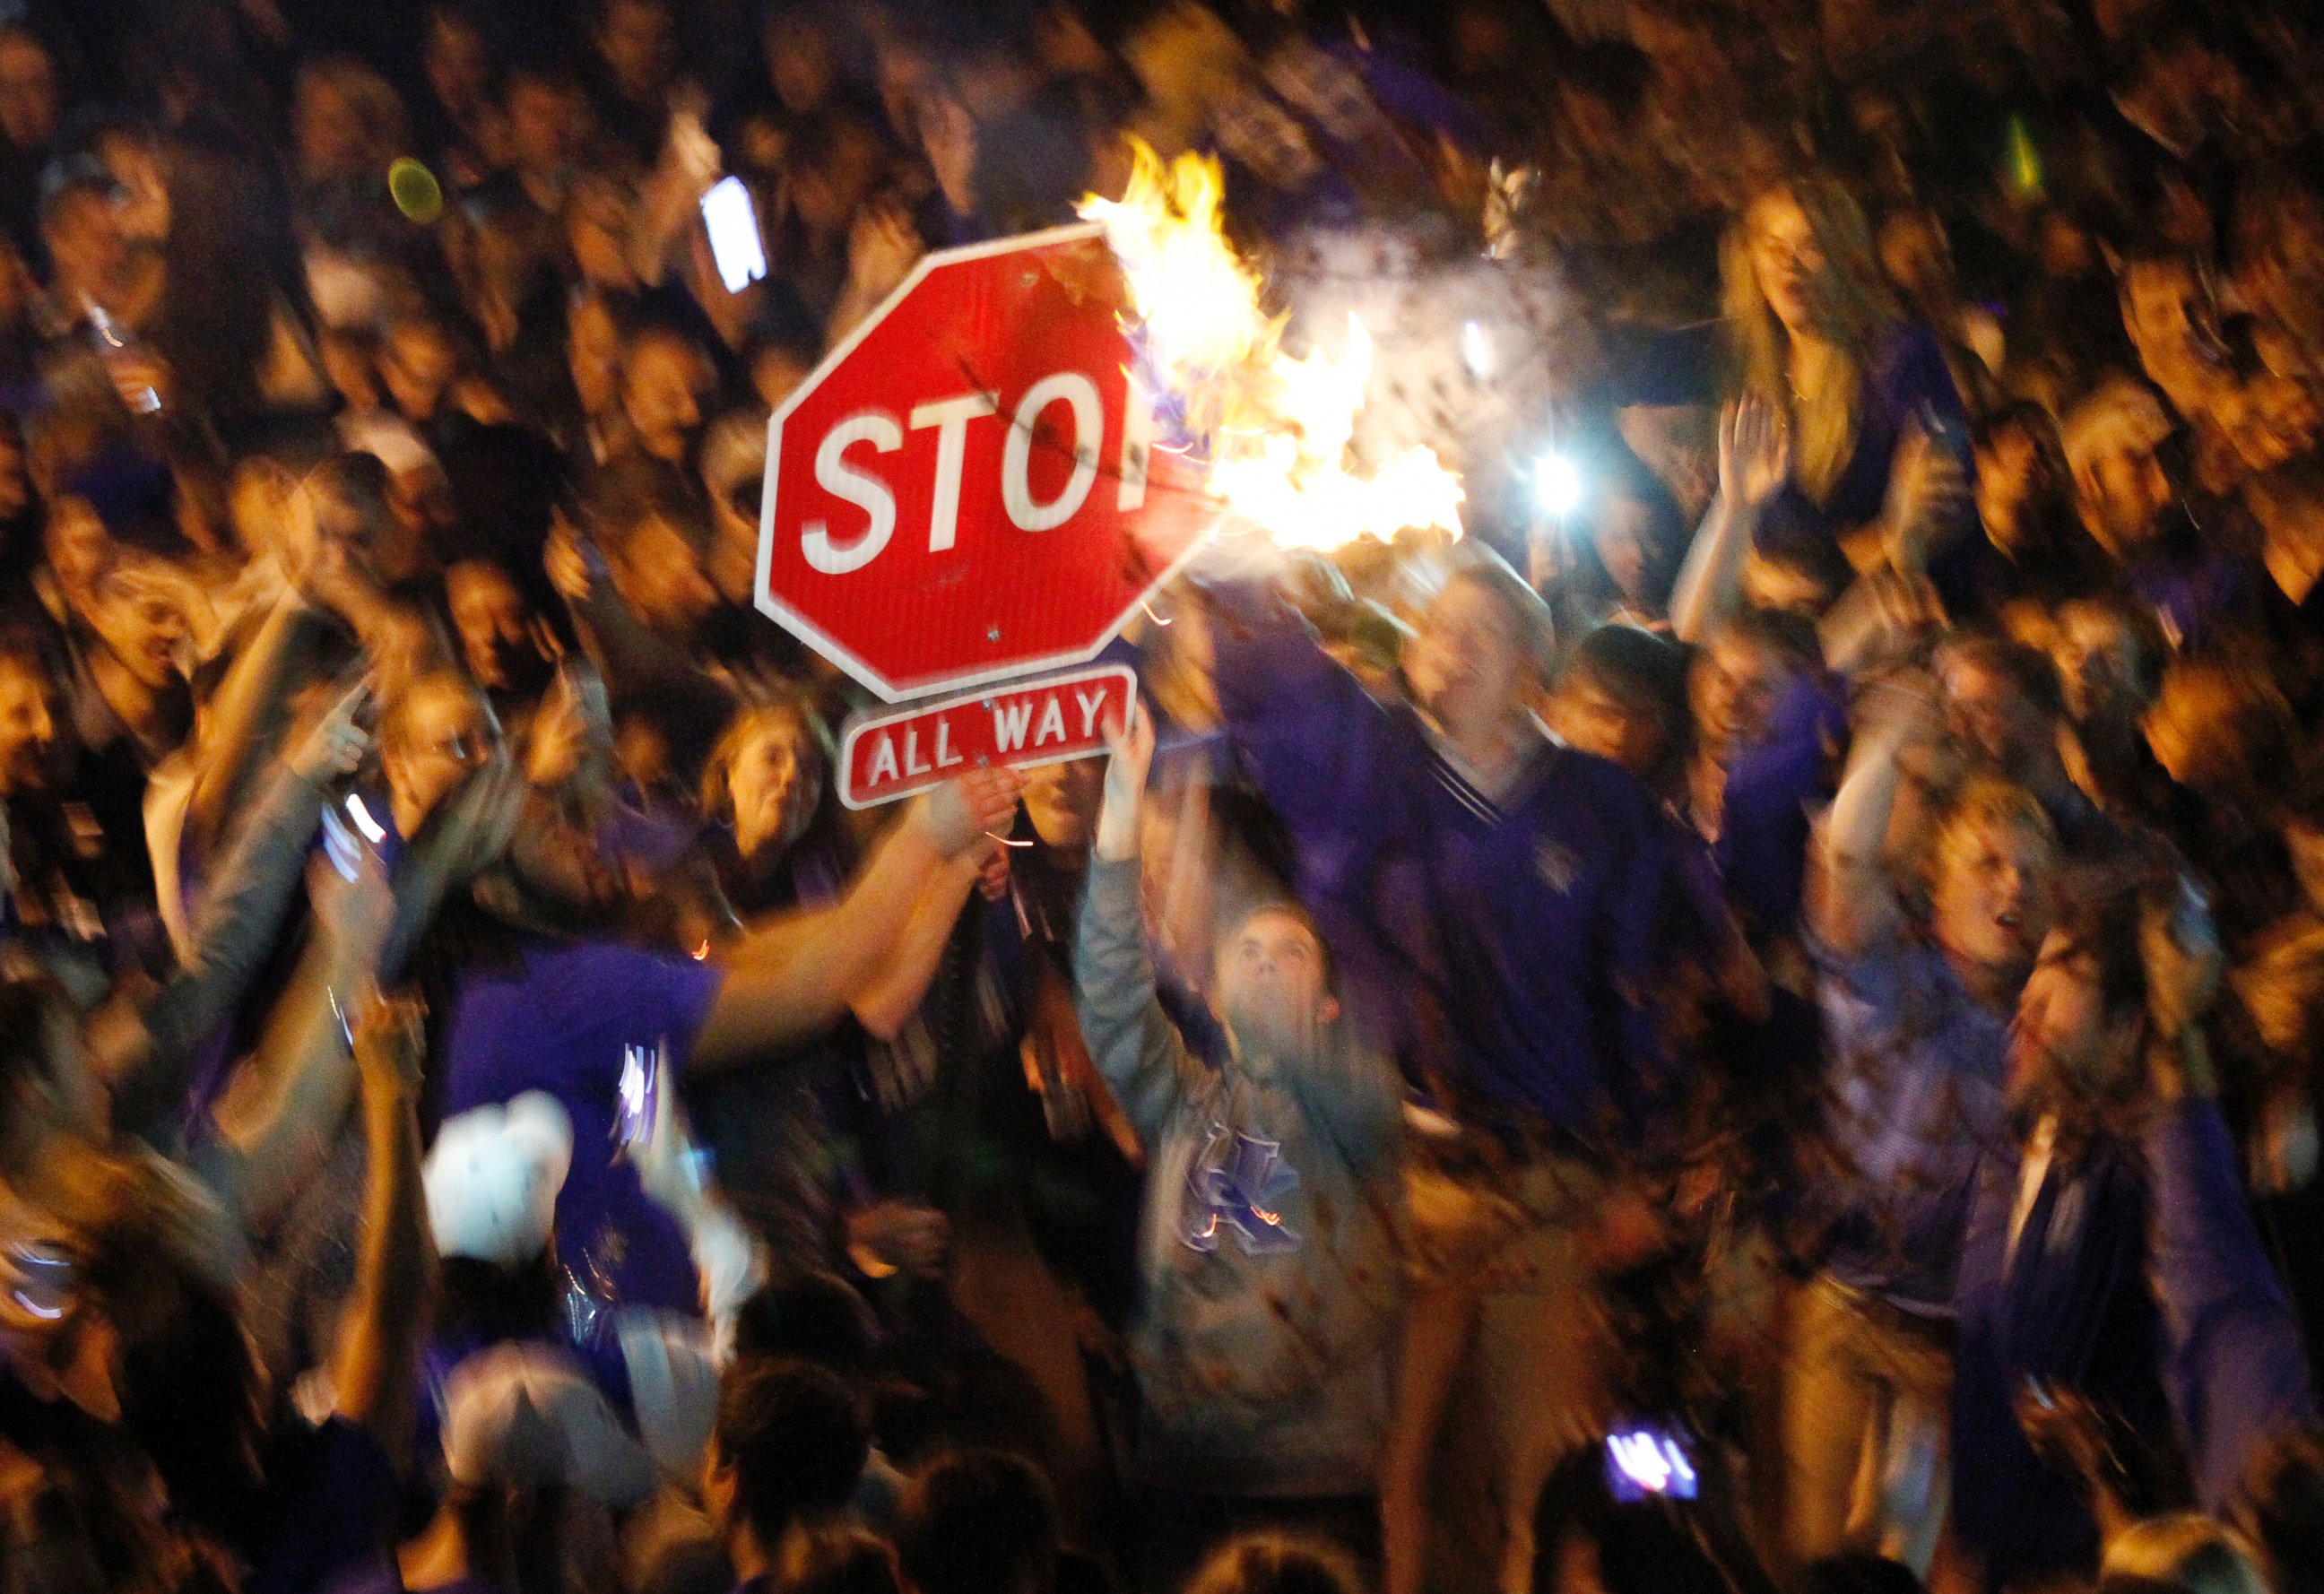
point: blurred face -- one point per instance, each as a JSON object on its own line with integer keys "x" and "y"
{"x": 1271, "y": 986}
{"x": 1912, "y": 252}
{"x": 1990, "y": 905}
{"x": 660, "y": 578}
{"x": 1590, "y": 719}
{"x": 418, "y": 365}
{"x": 1062, "y": 801}
{"x": 1467, "y": 665}
{"x": 2122, "y": 486}
{"x": 772, "y": 788}
{"x": 2163, "y": 311}
{"x": 1731, "y": 689}
{"x": 799, "y": 63}
{"x": 459, "y": 66}
{"x": 593, "y": 356}
{"x": 86, "y": 245}
{"x": 662, "y": 392}
{"x": 2004, "y": 480}
{"x": 28, "y": 93}
{"x": 1787, "y": 260}
{"x": 543, "y": 120}
{"x": 2064, "y": 1037}
{"x": 28, "y": 729}
{"x": 2098, "y": 661}
{"x": 636, "y": 42}
{"x": 328, "y": 127}
{"x": 140, "y": 625}
{"x": 442, "y": 735}
{"x": 490, "y": 616}
{"x": 1986, "y": 712}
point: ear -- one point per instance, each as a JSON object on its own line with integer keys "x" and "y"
{"x": 1327, "y": 1009}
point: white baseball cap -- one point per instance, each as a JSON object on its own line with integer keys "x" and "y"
{"x": 525, "y": 1417}
{"x": 492, "y": 1176}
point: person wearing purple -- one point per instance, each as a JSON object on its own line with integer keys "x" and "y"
{"x": 1505, "y": 908}
{"x": 2110, "y": 1265}
{"x": 1877, "y": 440}
{"x": 1916, "y": 1023}
{"x": 536, "y": 1010}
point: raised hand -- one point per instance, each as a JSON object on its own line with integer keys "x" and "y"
{"x": 1755, "y": 453}
{"x": 1926, "y": 488}
{"x": 966, "y": 809}
{"x": 336, "y": 745}
{"x": 1132, "y": 751}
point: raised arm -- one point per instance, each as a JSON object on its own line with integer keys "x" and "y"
{"x": 244, "y": 715}
{"x": 795, "y": 975}
{"x": 888, "y": 1001}
{"x": 379, "y": 1345}
{"x": 2233, "y": 1361}
{"x": 143, "y": 1060}
{"x": 1132, "y": 1042}
{"x": 1754, "y": 460}
{"x": 1853, "y": 908}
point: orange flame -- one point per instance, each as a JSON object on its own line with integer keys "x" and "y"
{"x": 1275, "y": 427}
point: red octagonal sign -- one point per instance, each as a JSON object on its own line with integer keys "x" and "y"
{"x": 964, "y": 491}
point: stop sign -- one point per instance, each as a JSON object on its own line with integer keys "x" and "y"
{"x": 962, "y": 491}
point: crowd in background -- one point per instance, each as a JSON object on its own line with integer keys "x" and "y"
{"x": 1755, "y": 1022}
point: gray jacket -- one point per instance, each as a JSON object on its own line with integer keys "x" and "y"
{"x": 1273, "y": 1280}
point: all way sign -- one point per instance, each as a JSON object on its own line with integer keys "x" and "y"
{"x": 1042, "y": 722}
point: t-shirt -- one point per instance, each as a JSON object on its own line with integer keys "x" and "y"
{"x": 561, "y": 1020}
{"x": 1916, "y": 1092}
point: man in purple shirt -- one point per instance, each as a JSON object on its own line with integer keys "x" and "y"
{"x": 540, "y": 1011}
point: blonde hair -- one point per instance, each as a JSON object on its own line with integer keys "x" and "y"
{"x": 811, "y": 741}
{"x": 1852, "y": 304}
{"x": 2180, "y": 1554}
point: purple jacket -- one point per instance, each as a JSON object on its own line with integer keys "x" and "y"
{"x": 2140, "y": 1282}
{"x": 1511, "y": 950}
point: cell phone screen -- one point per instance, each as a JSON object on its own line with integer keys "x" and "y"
{"x": 1647, "y": 1462}
{"x": 733, "y": 226}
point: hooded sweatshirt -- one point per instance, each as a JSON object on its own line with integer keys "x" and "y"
{"x": 1270, "y": 1279}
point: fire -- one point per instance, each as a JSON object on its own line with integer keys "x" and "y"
{"x": 1273, "y": 428}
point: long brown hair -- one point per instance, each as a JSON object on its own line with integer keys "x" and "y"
{"x": 1855, "y": 309}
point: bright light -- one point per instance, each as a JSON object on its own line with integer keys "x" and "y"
{"x": 1556, "y": 484}
{"x": 1476, "y": 350}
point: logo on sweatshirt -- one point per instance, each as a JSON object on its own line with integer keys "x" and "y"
{"x": 1557, "y": 865}
{"x": 1238, "y": 1185}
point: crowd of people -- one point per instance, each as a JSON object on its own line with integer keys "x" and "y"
{"x": 1756, "y": 1022}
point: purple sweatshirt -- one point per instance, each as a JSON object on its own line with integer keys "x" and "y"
{"x": 1510, "y": 948}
